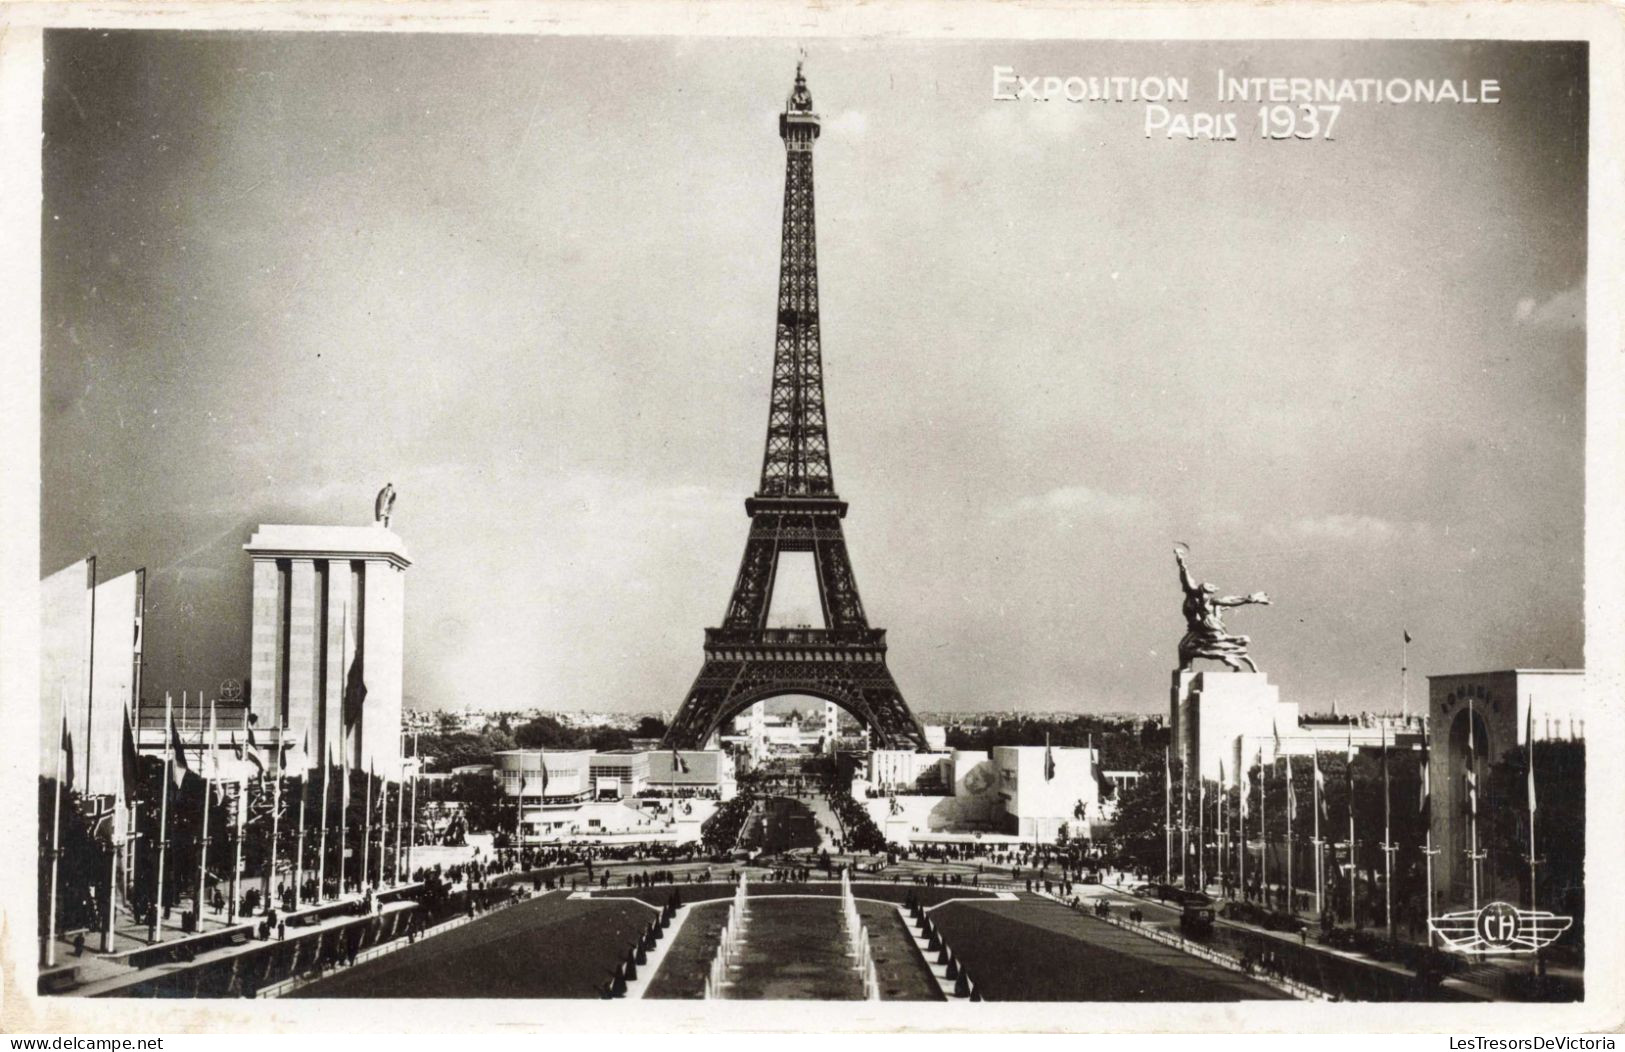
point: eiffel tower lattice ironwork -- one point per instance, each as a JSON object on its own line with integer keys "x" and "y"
{"x": 796, "y": 510}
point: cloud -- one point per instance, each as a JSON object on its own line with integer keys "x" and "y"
{"x": 849, "y": 124}
{"x": 1069, "y": 503}
{"x": 1358, "y": 528}
{"x": 1219, "y": 520}
{"x": 1561, "y": 310}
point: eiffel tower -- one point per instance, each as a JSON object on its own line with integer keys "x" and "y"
{"x": 796, "y": 510}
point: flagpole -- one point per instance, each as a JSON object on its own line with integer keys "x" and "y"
{"x": 1404, "y": 676}
{"x": 1184, "y": 832}
{"x": 1224, "y": 842}
{"x": 1354, "y": 917}
{"x": 1529, "y": 741}
{"x": 400, "y": 800}
{"x": 321, "y": 826}
{"x": 412, "y": 839}
{"x": 299, "y": 838}
{"x": 1291, "y": 806}
{"x": 1263, "y": 831}
{"x": 344, "y": 746}
{"x": 1167, "y": 816}
{"x": 56, "y": 824}
{"x": 1472, "y": 771}
{"x": 1320, "y": 875}
{"x": 366, "y": 830}
{"x": 1428, "y": 850}
{"x": 383, "y": 828}
{"x": 132, "y": 788}
{"x": 1201, "y": 831}
{"x": 1387, "y": 841}
{"x": 203, "y": 831}
{"x": 276, "y": 814}
{"x": 112, "y": 876}
{"x": 1241, "y": 819}
{"x": 237, "y": 850}
{"x": 156, "y": 935}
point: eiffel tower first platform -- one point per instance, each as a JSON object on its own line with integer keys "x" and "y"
{"x": 796, "y": 510}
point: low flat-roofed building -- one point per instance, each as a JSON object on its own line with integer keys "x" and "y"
{"x": 618, "y": 775}
{"x": 568, "y": 777}
{"x": 1038, "y": 802}
{"x": 700, "y": 772}
{"x": 893, "y": 769}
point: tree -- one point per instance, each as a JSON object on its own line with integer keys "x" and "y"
{"x": 1138, "y": 828}
{"x": 1560, "y": 824}
{"x": 545, "y": 732}
{"x": 483, "y": 803}
{"x": 650, "y": 727}
{"x": 463, "y": 748}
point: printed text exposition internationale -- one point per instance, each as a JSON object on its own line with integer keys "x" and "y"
{"x": 1010, "y": 85}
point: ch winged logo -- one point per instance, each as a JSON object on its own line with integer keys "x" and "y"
{"x": 1499, "y": 928}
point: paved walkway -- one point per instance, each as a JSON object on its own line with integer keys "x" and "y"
{"x": 1480, "y": 982}
{"x": 96, "y": 972}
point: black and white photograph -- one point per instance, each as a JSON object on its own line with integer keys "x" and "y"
{"x": 592, "y": 512}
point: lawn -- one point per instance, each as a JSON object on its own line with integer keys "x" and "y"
{"x": 1038, "y": 950}
{"x": 547, "y": 947}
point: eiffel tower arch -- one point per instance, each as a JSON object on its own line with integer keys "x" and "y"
{"x": 796, "y": 509}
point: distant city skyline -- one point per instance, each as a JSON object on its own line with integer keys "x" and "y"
{"x": 283, "y": 269}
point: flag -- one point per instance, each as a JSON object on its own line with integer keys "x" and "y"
{"x": 254, "y": 752}
{"x": 1472, "y": 756}
{"x": 1246, "y": 785}
{"x": 1407, "y": 635}
{"x": 132, "y": 762}
{"x": 1529, "y": 737}
{"x": 67, "y": 753}
{"x": 1049, "y": 760}
{"x": 299, "y": 762}
{"x": 355, "y": 691}
{"x": 248, "y": 752}
{"x": 181, "y": 767}
{"x": 99, "y": 811}
{"x": 544, "y": 775}
{"x": 1291, "y": 790}
{"x": 1320, "y": 789}
{"x": 678, "y": 764}
{"x": 1425, "y": 804}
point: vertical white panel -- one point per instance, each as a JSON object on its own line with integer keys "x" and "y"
{"x": 112, "y": 686}
{"x": 65, "y": 622}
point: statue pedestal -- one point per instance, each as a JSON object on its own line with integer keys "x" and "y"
{"x": 1226, "y": 715}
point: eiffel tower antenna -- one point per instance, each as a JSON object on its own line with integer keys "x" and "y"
{"x": 796, "y": 509}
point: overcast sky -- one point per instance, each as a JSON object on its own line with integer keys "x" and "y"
{"x": 531, "y": 281}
